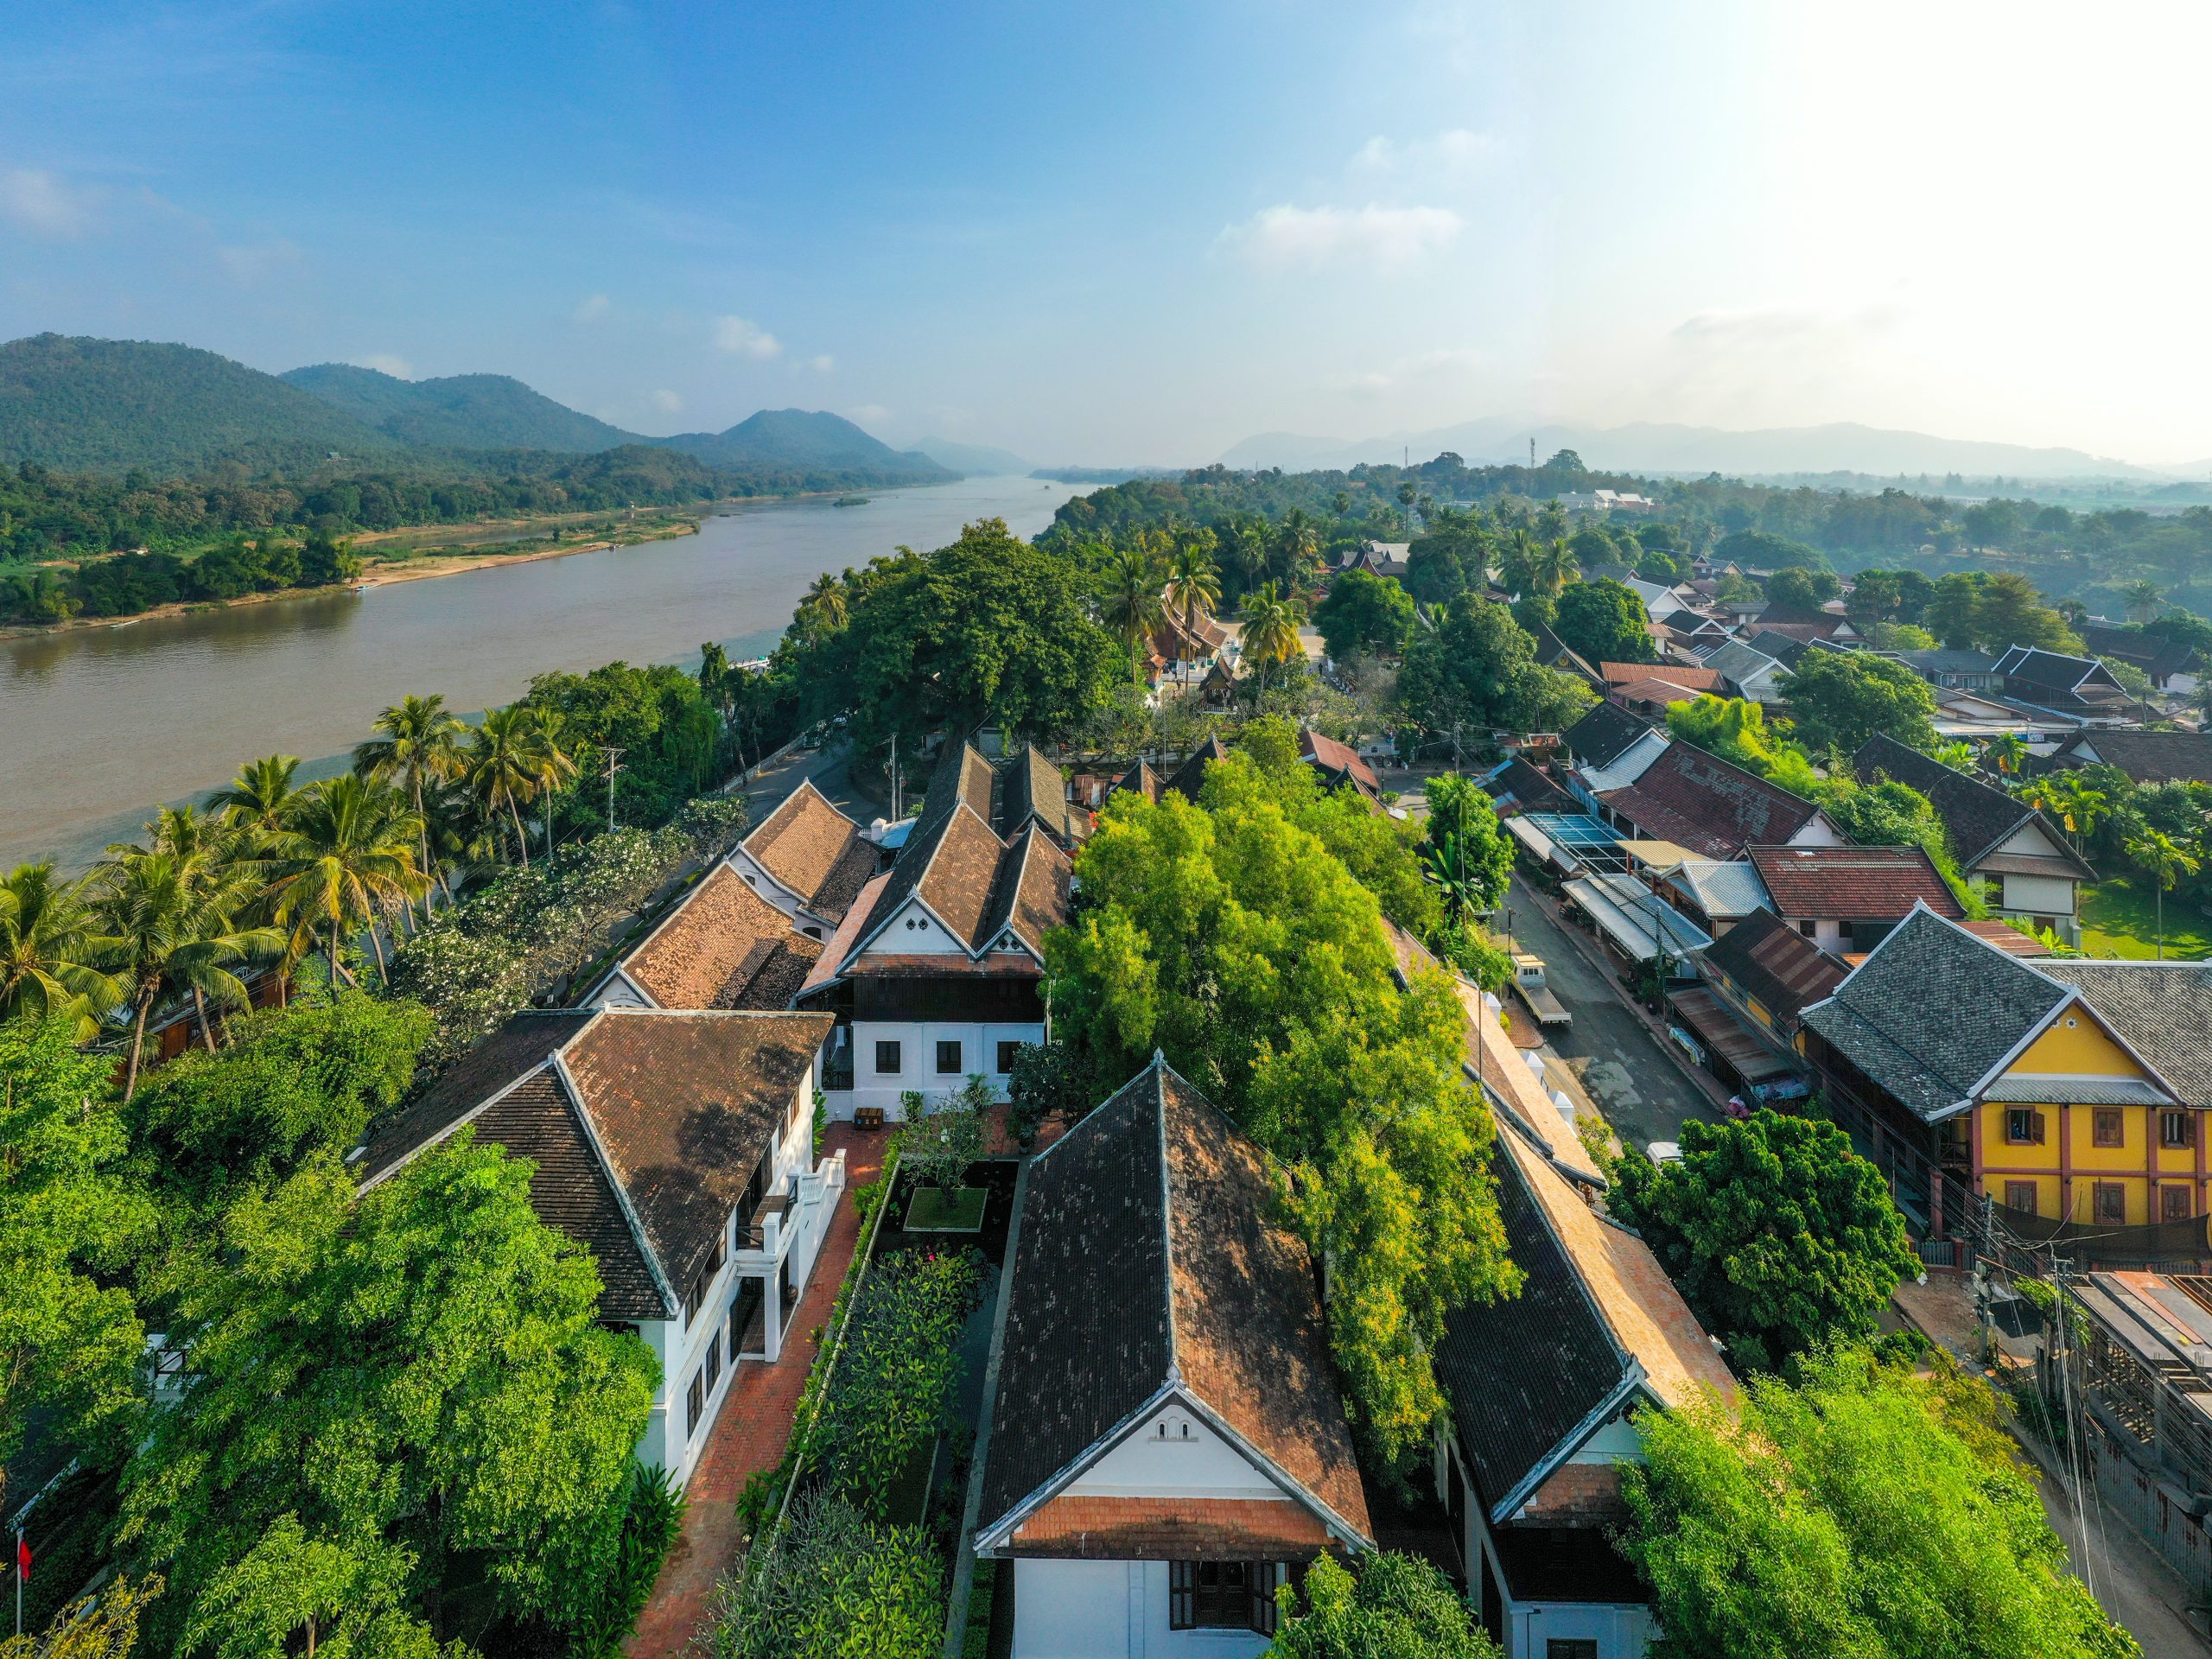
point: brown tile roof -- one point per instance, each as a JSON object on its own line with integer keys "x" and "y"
{"x": 1338, "y": 760}
{"x": 1171, "y": 1528}
{"x": 1034, "y": 788}
{"x": 1697, "y": 679}
{"x": 2005, "y": 937}
{"x": 1701, "y": 802}
{"x": 840, "y": 949}
{"x": 1151, "y": 1256}
{"x": 686, "y": 1105}
{"x": 1852, "y": 884}
{"x": 809, "y": 845}
{"x": 517, "y": 1048}
{"x": 957, "y": 882}
{"x": 1663, "y": 687}
{"x": 724, "y": 947}
{"x": 1140, "y": 779}
{"x": 1030, "y": 893}
{"x": 1772, "y": 961}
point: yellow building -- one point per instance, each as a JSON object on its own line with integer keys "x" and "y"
{"x": 2073, "y": 1091}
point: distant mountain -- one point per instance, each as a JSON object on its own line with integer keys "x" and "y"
{"x": 462, "y": 411}
{"x": 1840, "y": 447}
{"x": 110, "y": 405}
{"x": 976, "y": 459}
{"x": 810, "y": 440}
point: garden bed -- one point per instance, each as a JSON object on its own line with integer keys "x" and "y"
{"x": 932, "y": 1209}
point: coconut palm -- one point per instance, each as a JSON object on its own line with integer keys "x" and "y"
{"x": 1297, "y": 549}
{"x": 49, "y": 943}
{"x": 2143, "y": 598}
{"x": 1270, "y": 634}
{"x": 2157, "y": 856}
{"x": 1551, "y": 566}
{"x": 1129, "y": 600}
{"x": 347, "y": 861}
{"x": 825, "y": 603}
{"x": 1248, "y": 546}
{"x": 1193, "y": 583}
{"x": 169, "y": 925}
{"x": 1517, "y": 562}
{"x": 417, "y": 746}
{"x": 556, "y": 763}
{"x": 261, "y": 794}
{"x": 504, "y": 767}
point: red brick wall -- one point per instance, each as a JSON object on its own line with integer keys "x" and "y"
{"x": 1576, "y": 1494}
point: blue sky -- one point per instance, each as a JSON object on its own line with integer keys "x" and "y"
{"x": 1141, "y": 232}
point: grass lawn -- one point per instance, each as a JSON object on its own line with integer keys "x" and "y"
{"x": 2120, "y": 919}
{"x": 934, "y": 1211}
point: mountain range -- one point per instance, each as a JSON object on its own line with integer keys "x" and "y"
{"x": 1646, "y": 447}
{"x": 80, "y": 404}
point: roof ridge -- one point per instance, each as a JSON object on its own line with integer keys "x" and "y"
{"x": 573, "y": 1096}
{"x": 1166, "y": 1218}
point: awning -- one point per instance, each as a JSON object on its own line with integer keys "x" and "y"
{"x": 1635, "y": 919}
{"x": 1721, "y": 1031}
{"x": 2079, "y": 1092}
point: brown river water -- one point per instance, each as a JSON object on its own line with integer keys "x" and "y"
{"x": 99, "y": 725}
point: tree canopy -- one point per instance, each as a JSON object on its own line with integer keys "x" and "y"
{"x": 1365, "y": 613}
{"x": 1839, "y": 699}
{"x": 1604, "y": 621}
{"x": 1389, "y": 1604}
{"x": 1476, "y": 670}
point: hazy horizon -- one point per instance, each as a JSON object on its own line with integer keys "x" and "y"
{"x": 1145, "y": 238}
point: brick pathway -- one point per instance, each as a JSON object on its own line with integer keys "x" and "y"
{"x": 751, "y": 1433}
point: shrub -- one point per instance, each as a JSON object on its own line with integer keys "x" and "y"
{"x": 609, "y": 1575}
{"x": 835, "y": 1585}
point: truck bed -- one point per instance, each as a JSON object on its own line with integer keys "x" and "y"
{"x": 1543, "y": 1002}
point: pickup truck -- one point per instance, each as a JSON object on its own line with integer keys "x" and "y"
{"x": 1543, "y": 1002}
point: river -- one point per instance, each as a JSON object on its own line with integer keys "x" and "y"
{"x": 99, "y": 725}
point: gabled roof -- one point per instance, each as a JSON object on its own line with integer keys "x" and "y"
{"x": 1723, "y": 888}
{"x": 1624, "y": 768}
{"x": 2146, "y": 757}
{"x": 1784, "y": 648}
{"x": 2154, "y": 654}
{"x": 1029, "y": 894}
{"x": 1978, "y": 816}
{"x": 1603, "y": 735}
{"x": 2161, "y": 1010}
{"x": 1739, "y": 662}
{"x": 1662, "y": 686}
{"x": 1699, "y": 679}
{"x": 1140, "y": 779}
{"x": 1528, "y": 788}
{"x": 1598, "y": 1325}
{"x": 1151, "y": 1265}
{"x": 814, "y": 849}
{"x": 1709, "y": 805}
{"x": 1773, "y": 962}
{"x": 1933, "y": 1010}
{"x": 1338, "y": 762}
{"x": 1948, "y": 659}
{"x": 1852, "y": 884}
{"x": 1555, "y": 653}
{"x": 1825, "y": 623}
{"x": 2060, "y": 670}
{"x": 1034, "y": 789}
{"x": 723, "y": 947}
{"x": 1189, "y": 778}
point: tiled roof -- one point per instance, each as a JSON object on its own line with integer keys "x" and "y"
{"x": 1739, "y": 662}
{"x": 1149, "y": 1255}
{"x": 2162, "y": 1010}
{"x": 1030, "y": 893}
{"x": 1662, "y": 686}
{"x": 686, "y": 1105}
{"x": 1852, "y": 884}
{"x": 1948, "y": 659}
{"x": 1604, "y": 734}
{"x": 1709, "y": 805}
{"x": 1930, "y": 1010}
{"x": 814, "y": 849}
{"x": 2056, "y": 669}
{"x": 723, "y": 947}
{"x": 956, "y": 881}
{"x": 1530, "y": 790}
{"x": 1034, "y": 789}
{"x": 1140, "y": 779}
{"x": 1698, "y": 679}
{"x": 1773, "y": 962}
{"x": 1555, "y": 653}
{"x": 2153, "y": 653}
{"x": 1800, "y": 616}
{"x": 1784, "y": 648}
{"x": 1338, "y": 760}
{"x": 1171, "y": 1528}
{"x": 1190, "y": 777}
{"x": 1978, "y": 816}
{"x": 518, "y": 1047}
{"x": 2147, "y": 757}
{"x": 1625, "y": 767}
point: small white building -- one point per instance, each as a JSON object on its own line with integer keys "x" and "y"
{"x": 678, "y": 1147}
{"x": 1167, "y": 1445}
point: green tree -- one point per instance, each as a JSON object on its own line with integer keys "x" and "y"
{"x": 942, "y": 1137}
{"x": 1839, "y": 699}
{"x": 49, "y": 941}
{"x": 2143, "y": 597}
{"x": 1397, "y": 1606}
{"x": 70, "y": 1339}
{"x": 1194, "y": 583}
{"x": 344, "y": 861}
{"x": 1131, "y": 601}
{"x": 1551, "y": 565}
{"x": 1468, "y": 853}
{"x": 835, "y": 1584}
{"x": 1952, "y": 613}
{"x": 1365, "y": 613}
{"x": 419, "y": 1370}
{"x": 1780, "y": 1235}
{"x": 1476, "y": 670}
{"x": 417, "y": 748}
{"x": 1270, "y": 630}
{"x": 101, "y": 1628}
{"x": 1604, "y": 622}
{"x": 339, "y": 1600}
{"x": 2008, "y": 611}
{"x": 2156, "y": 854}
{"x": 1849, "y": 1517}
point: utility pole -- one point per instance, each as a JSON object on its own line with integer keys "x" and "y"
{"x": 612, "y": 756}
{"x": 894, "y": 778}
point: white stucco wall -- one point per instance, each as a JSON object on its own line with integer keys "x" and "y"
{"x": 1174, "y": 1455}
{"x": 1109, "y": 1610}
{"x": 912, "y": 932}
{"x": 1619, "y": 1632}
{"x": 617, "y": 992}
{"x": 918, "y": 1041}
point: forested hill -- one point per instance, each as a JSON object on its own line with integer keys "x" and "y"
{"x": 113, "y": 405}
{"x": 806, "y": 438}
{"x": 461, "y": 412}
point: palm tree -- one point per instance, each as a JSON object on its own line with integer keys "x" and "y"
{"x": 1248, "y": 546}
{"x": 2008, "y": 750}
{"x": 1298, "y": 547}
{"x": 1270, "y": 634}
{"x": 1552, "y": 565}
{"x": 1193, "y": 583}
{"x": 169, "y": 926}
{"x": 1130, "y": 598}
{"x": 556, "y": 766}
{"x": 347, "y": 860}
{"x": 2068, "y": 798}
{"x": 825, "y": 601}
{"x": 417, "y": 746}
{"x": 261, "y": 794}
{"x": 504, "y": 767}
{"x": 2155, "y": 853}
{"x": 1516, "y": 565}
{"x": 49, "y": 942}
{"x": 2143, "y": 597}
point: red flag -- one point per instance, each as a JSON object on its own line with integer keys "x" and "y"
{"x": 22, "y": 1555}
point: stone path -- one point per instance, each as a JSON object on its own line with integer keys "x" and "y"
{"x": 750, "y": 1433}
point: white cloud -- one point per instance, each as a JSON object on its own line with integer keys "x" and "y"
{"x": 824, "y": 363}
{"x": 666, "y": 401}
{"x": 593, "y": 309}
{"x": 1287, "y": 237}
{"x": 868, "y": 415}
{"x": 40, "y": 204}
{"x": 249, "y": 263}
{"x": 1457, "y": 152}
{"x": 385, "y": 363}
{"x": 1442, "y": 365}
{"x": 744, "y": 339}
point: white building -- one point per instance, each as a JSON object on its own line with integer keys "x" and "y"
{"x": 937, "y": 974}
{"x": 678, "y": 1146}
{"x": 1167, "y": 1444}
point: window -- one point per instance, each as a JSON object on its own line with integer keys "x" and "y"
{"x": 2024, "y": 1127}
{"x": 1807, "y": 927}
{"x": 694, "y": 1403}
{"x": 1007, "y": 1054}
{"x": 948, "y": 1058}
{"x": 2173, "y": 1204}
{"x": 714, "y": 1366}
{"x": 2111, "y": 1201}
{"x": 2176, "y": 1129}
{"x": 2020, "y": 1196}
{"x": 886, "y": 1059}
{"x": 1221, "y": 1596}
{"x": 1578, "y": 1648}
{"x": 697, "y": 1293}
{"x": 2107, "y": 1127}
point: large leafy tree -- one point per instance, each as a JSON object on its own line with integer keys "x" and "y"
{"x": 1365, "y": 613}
{"x": 1839, "y": 699}
{"x": 2008, "y": 611}
{"x": 1476, "y": 670}
{"x": 1389, "y": 1604}
{"x": 414, "y": 1377}
{"x": 70, "y": 1340}
{"x": 1856, "y": 1515}
{"x": 1604, "y": 622}
{"x": 1780, "y": 1235}
{"x": 49, "y": 944}
{"x": 1468, "y": 855}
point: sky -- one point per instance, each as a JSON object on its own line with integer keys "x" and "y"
{"x": 1138, "y": 233}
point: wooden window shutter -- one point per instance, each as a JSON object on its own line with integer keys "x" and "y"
{"x": 2039, "y": 1129}
{"x": 1182, "y": 1615}
{"x": 1266, "y": 1575}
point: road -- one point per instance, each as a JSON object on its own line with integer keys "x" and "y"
{"x": 1635, "y": 1083}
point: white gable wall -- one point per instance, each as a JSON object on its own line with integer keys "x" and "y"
{"x": 756, "y": 878}
{"x": 1818, "y": 832}
{"x": 1174, "y": 1454}
{"x": 912, "y": 932}
{"x": 617, "y": 991}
